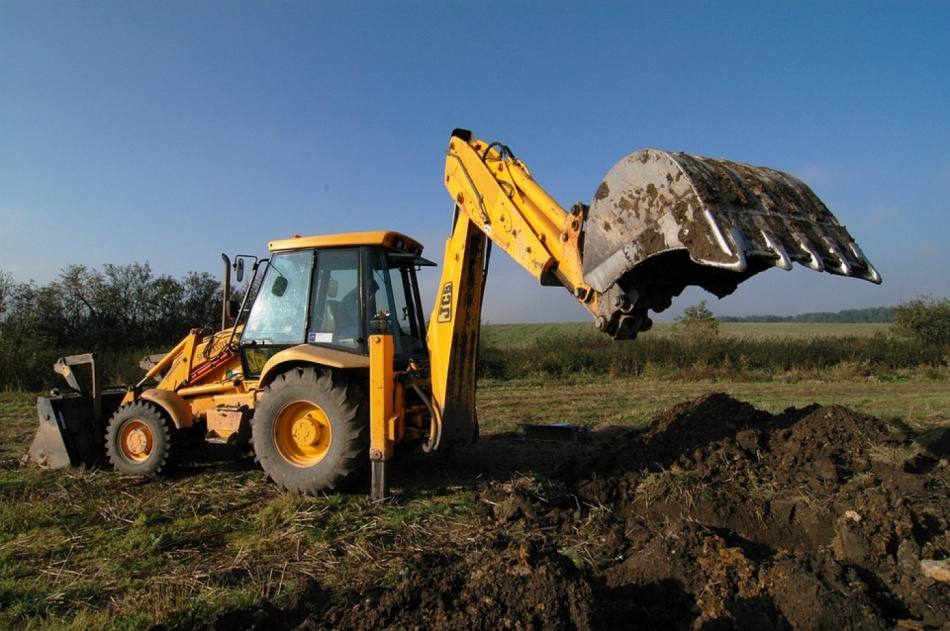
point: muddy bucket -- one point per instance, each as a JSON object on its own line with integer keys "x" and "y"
{"x": 663, "y": 220}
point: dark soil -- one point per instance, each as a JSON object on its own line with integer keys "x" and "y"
{"x": 718, "y": 515}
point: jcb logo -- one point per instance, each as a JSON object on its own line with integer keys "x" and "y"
{"x": 256, "y": 358}
{"x": 445, "y": 303}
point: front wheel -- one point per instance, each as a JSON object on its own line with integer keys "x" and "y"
{"x": 141, "y": 440}
{"x": 310, "y": 431}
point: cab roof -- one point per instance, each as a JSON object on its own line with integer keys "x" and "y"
{"x": 386, "y": 238}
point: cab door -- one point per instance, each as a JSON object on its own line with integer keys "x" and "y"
{"x": 278, "y": 317}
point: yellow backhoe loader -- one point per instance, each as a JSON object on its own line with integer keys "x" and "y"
{"x": 328, "y": 364}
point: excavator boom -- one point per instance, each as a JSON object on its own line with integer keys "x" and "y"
{"x": 659, "y": 221}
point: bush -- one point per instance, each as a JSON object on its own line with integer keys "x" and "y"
{"x": 925, "y": 319}
{"x": 712, "y": 357}
{"x": 115, "y": 313}
{"x": 696, "y": 325}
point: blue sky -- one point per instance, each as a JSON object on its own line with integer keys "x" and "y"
{"x": 169, "y": 132}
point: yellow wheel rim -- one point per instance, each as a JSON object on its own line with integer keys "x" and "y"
{"x": 136, "y": 441}
{"x": 302, "y": 434}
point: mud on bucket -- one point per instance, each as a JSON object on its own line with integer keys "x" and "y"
{"x": 663, "y": 220}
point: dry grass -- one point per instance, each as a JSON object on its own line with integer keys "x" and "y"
{"x": 88, "y": 549}
{"x": 595, "y": 402}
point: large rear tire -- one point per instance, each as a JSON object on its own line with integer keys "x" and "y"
{"x": 310, "y": 431}
{"x": 141, "y": 440}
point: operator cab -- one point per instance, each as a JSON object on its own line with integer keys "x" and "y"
{"x": 336, "y": 291}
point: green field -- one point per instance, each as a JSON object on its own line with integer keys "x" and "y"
{"x": 919, "y": 396}
{"x": 504, "y": 334}
{"x": 595, "y": 403}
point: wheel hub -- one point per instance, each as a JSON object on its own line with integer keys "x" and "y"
{"x": 137, "y": 442}
{"x": 306, "y": 431}
{"x": 302, "y": 434}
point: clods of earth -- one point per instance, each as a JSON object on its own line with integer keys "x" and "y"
{"x": 716, "y": 516}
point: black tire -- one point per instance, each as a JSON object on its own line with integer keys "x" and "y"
{"x": 141, "y": 440}
{"x": 310, "y": 431}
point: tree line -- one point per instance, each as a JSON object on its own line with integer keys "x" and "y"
{"x": 124, "y": 312}
{"x": 117, "y": 310}
{"x": 874, "y": 315}
{"x": 925, "y": 319}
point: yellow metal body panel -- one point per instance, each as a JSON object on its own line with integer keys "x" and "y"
{"x": 308, "y": 354}
{"x": 207, "y": 397}
{"x": 385, "y": 238}
{"x": 384, "y": 426}
{"x": 178, "y": 408}
{"x": 242, "y": 394}
{"x": 187, "y": 402}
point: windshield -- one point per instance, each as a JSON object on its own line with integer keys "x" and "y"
{"x": 279, "y": 313}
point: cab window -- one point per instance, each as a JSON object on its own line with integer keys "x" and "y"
{"x": 335, "y": 313}
{"x": 279, "y": 313}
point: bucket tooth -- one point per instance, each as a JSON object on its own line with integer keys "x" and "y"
{"x": 720, "y": 240}
{"x": 782, "y": 261}
{"x": 841, "y": 265}
{"x": 812, "y": 258}
{"x": 870, "y": 273}
{"x": 742, "y": 249}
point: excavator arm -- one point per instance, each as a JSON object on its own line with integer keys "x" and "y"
{"x": 659, "y": 221}
{"x": 453, "y": 334}
{"x": 497, "y": 201}
{"x": 497, "y": 193}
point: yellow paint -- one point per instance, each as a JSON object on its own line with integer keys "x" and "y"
{"x": 384, "y": 238}
{"x": 384, "y": 423}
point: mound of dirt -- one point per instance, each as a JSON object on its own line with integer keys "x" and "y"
{"x": 508, "y": 584}
{"x": 718, "y": 515}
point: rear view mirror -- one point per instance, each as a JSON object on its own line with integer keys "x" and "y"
{"x": 239, "y": 264}
{"x": 279, "y": 286}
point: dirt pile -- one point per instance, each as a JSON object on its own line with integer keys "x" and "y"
{"x": 718, "y": 515}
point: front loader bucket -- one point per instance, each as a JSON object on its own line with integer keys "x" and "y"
{"x": 71, "y": 425}
{"x": 70, "y": 434}
{"x": 67, "y": 435}
{"x": 663, "y": 220}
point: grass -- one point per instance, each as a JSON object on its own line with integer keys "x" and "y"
{"x": 88, "y": 549}
{"x": 595, "y": 401}
{"x": 514, "y": 334}
{"x": 690, "y": 354}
